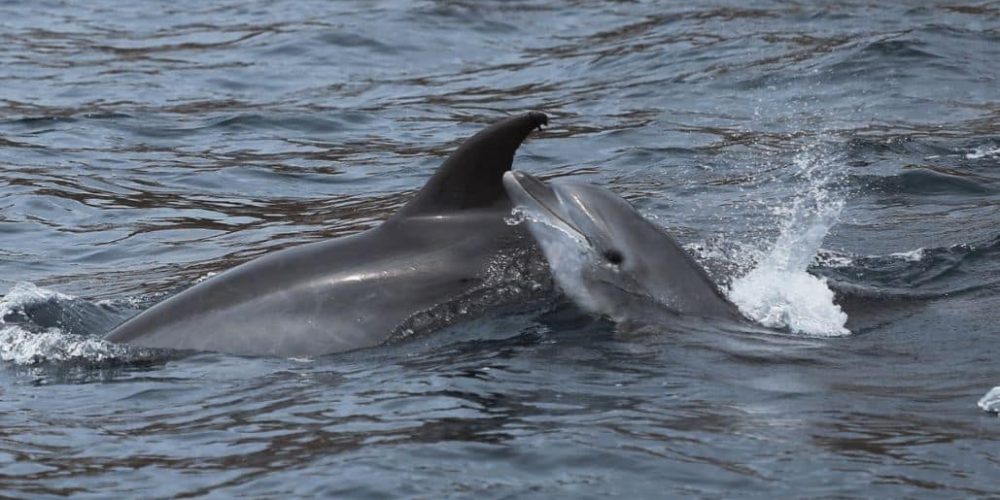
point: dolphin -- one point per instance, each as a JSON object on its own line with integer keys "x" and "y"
{"x": 610, "y": 260}
{"x": 446, "y": 255}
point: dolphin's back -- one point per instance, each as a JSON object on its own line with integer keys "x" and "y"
{"x": 355, "y": 292}
{"x": 272, "y": 305}
{"x": 329, "y": 296}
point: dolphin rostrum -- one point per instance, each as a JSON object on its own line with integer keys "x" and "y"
{"x": 446, "y": 255}
{"x": 608, "y": 258}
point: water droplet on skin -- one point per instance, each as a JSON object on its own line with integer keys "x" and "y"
{"x": 516, "y": 217}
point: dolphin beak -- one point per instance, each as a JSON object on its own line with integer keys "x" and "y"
{"x": 530, "y": 193}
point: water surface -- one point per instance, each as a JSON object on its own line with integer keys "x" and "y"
{"x": 147, "y": 146}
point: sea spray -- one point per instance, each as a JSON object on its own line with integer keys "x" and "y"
{"x": 991, "y": 401}
{"x": 22, "y": 294}
{"x": 25, "y": 342}
{"x": 778, "y": 291}
{"x": 23, "y": 347}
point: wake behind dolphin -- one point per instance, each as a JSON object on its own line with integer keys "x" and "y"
{"x": 609, "y": 259}
{"x": 446, "y": 255}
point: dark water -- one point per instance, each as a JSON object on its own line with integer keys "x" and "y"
{"x": 144, "y": 147}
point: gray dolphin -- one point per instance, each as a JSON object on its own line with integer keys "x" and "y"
{"x": 446, "y": 255}
{"x": 609, "y": 259}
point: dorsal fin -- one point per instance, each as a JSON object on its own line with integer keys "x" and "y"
{"x": 472, "y": 177}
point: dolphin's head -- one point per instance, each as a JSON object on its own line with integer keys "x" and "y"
{"x": 587, "y": 234}
{"x": 605, "y": 255}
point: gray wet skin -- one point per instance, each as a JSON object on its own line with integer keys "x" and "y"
{"x": 608, "y": 258}
{"x": 356, "y": 291}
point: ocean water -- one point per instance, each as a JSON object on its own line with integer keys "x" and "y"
{"x": 834, "y": 166}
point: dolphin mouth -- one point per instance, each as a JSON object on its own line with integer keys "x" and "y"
{"x": 523, "y": 188}
{"x": 541, "y": 204}
{"x": 529, "y": 192}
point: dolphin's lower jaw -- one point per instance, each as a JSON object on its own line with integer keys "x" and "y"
{"x": 540, "y": 208}
{"x": 564, "y": 247}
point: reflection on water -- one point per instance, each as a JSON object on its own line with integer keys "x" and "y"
{"x": 145, "y": 146}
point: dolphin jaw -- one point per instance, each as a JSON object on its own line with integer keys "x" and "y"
{"x": 530, "y": 207}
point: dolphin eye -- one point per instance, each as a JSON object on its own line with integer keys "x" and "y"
{"x": 614, "y": 256}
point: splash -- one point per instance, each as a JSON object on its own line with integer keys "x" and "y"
{"x": 911, "y": 256}
{"x": 778, "y": 292}
{"x": 26, "y": 294}
{"x": 991, "y": 401}
{"x": 23, "y": 347}
{"x": 830, "y": 258}
{"x": 24, "y": 342}
{"x": 988, "y": 151}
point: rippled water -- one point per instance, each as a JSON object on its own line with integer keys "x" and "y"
{"x": 144, "y": 147}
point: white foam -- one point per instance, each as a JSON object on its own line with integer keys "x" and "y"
{"x": 795, "y": 300}
{"x": 829, "y": 258}
{"x": 983, "y": 152}
{"x": 205, "y": 277}
{"x": 991, "y": 401}
{"x": 778, "y": 292}
{"x": 23, "y": 347}
{"x": 24, "y": 293}
{"x": 911, "y": 256}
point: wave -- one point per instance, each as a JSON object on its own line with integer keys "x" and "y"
{"x": 927, "y": 181}
{"x": 21, "y": 346}
{"x": 39, "y": 326}
{"x": 991, "y": 401}
{"x": 921, "y": 273}
{"x": 985, "y": 151}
